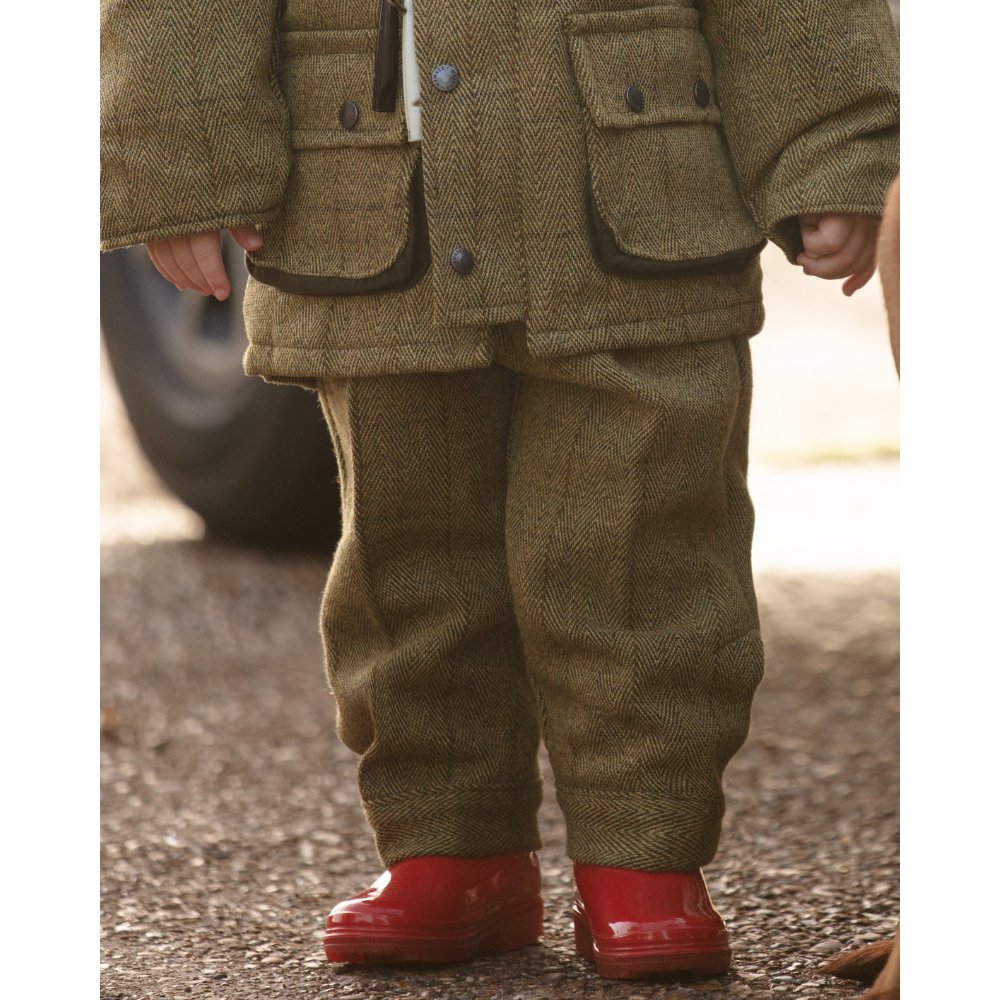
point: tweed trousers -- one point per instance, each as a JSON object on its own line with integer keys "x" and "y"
{"x": 554, "y": 546}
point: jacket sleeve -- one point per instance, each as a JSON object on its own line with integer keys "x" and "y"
{"x": 194, "y": 131}
{"x": 809, "y": 95}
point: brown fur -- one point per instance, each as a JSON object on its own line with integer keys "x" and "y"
{"x": 862, "y": 964}
{"x": 887, "y": 985}
{"x": 877, "y": 964}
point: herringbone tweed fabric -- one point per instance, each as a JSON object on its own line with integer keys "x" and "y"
{"x": 561, "y": 543}
{"x": 217, "y": 112}
{"x": 193, "y": 124}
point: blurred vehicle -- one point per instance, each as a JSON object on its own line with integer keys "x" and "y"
{"x": 253, "y": 459}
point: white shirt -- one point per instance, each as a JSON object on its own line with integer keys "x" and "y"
{"x": 411, "y": 78}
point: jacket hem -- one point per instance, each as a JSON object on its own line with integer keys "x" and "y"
{"x": 303, "y": 366}
{"x": 737, "y": 319}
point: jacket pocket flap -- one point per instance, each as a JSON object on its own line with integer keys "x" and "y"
{"x": 662, "y": 194}
{"x": 321, "y": 72}
{"x": 658, "y": 50}
{"x": 348, "y": 214}
{"x": 352, "y": 219}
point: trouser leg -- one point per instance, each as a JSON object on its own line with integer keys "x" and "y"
{"x": 421, "y": 643}
{"x": 628, "y": 532}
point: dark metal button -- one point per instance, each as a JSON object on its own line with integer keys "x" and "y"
{"x": 634, "y": 98}
{"x": 462, "y": 260}
{"x": 444, "y": 77}
{"x": 702, "y": 94}
{"x": 348, "y": 114}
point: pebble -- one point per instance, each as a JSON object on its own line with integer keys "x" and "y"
{"x": 828, "y": 947}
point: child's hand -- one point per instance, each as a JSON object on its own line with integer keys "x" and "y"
{"x": 839, "y": 246}
{"x": 195, "y": 261}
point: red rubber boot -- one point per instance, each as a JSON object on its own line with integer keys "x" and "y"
{"x": 635, "y": 924}
{"x": 440, "y": 909}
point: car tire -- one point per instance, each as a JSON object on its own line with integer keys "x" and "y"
{"x": 253, "y": 459}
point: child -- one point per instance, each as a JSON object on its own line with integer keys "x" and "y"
{"x": 529, "y": 333}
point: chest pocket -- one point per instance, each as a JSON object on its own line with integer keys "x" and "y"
{"x": 352, "y": 220}
{"x": 661, "y": 193}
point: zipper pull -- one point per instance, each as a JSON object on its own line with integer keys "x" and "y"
{"x": 387, "y": 47}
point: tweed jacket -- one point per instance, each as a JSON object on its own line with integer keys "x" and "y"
{"x": 605, "y": 171}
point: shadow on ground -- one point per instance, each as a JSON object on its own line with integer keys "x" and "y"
{"x": 231, "y": 820}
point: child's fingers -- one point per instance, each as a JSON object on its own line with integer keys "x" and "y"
{"x": 846, "y": 262}
{"x": 827, "y": 236}
{"x": 247, "y": 237}
{"x": 860, "y": 279}
{"x": 206, "y": 252}
{"x": 151, "y": 250}
{"x": 859, "y": 242}
{"x": 184, "y": 254}
{"x": 171, "y": 269}
{"x": 192, "y": 262}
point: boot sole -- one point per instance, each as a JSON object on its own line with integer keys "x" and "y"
{"x": 644, "y": 963}
{"x": 515, "y": 928}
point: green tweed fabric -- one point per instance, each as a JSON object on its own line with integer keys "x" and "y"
{"x": 559, "y": 544}
{"x": 193, "y": 123}
{"x": 215, "y": 112}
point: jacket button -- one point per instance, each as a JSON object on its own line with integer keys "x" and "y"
{"x": 462, "y": 260}
{"x": 348, "y": 114}
{"x": 444, "y": 77}
{"x": 634, "y": 98}
{"x": 702, "y": 94}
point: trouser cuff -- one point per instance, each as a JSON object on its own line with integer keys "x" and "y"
{"x": 457, "y": 822}
{"x": 641, "y": 830}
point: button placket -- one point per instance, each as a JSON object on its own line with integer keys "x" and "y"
{"x": 445, "y": 77}
{"x": 471, "y": 152}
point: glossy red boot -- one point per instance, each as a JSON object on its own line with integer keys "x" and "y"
{"x": 440, "y": 909}
{"x": 635, "y": 924}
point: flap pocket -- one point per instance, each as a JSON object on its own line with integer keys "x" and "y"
{"x": 662, "y": 192}
{"x": 352, "y": 218}
{"x": 323, "y": 73}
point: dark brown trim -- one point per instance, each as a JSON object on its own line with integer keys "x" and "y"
{"x": 404, "y": 272}
{"x": 609, "y": 257}
{"x": 387, "y": 56}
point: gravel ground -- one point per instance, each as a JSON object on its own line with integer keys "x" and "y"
{"x": 231, "y": 820}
